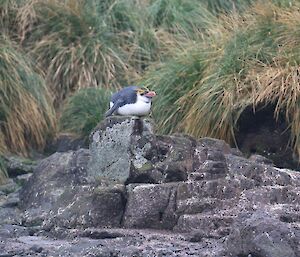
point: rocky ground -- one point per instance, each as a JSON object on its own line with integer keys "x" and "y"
{"x": 135, "y": 193}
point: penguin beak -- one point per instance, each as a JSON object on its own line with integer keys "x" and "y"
{"x": 150, "y": 94}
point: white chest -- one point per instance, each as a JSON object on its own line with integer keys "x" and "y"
{"x": 140, "y": 108}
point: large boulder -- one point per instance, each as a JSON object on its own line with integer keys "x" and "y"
{"x": 58, "y": 194}
{"x": 262, "y": 233}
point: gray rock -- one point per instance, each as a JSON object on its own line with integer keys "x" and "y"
{"x": 11, "y": 231}
{"x": 260, "y": 234}
{"x": 176, "y": 157}
{"x": 151, "y": 206}
{"x": 10, "y": 215}
{"x": 58, "y": 195}
{"x": 189, "y": 197}
{"x": 22, "y": 179}
{"x": 10, "y": 202}
{"x": 139, "y": 243}
{"x": 66, "y": 142}
{"x": 19, "y": 166}
{"x": 117, "y": 148}
{"x": 260, "y": 159}
{"x": 219, "y": 145}
{"x": 125, "y": 150}
{"x": 9, "y": 187}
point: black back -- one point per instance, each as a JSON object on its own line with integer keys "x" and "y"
{"x": 127, "y": 95}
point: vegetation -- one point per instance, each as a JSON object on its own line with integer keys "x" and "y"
{"x": 77, "y": 45}
{"x": 247, "y": 60}
{"x": 3, "y": 171}
{"x": 172, "y": 80}
{"x": 84, "y": 110}
{"x": 207, "y": 60}
{"x": 185, "y": 17}
{"x": 26, "y": 113}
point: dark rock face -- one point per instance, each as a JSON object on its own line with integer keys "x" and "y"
{"x": 199, "y": 198}
{"x": 17, "y": 166}
{"x": 66, "y": 142}
{"x": 58, "y": 194}
{"x": 262, "y": 133}
{"x": 260, "y": 234}
{"x": 151, "y": 206}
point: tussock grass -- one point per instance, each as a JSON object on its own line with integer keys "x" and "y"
{"x": 7, "y": 8}
{"x": 171, "y": 80}
{"x": 3, "y": 147}
{"x": 249, "y": 59}
{"x": 253, "y": 69}
{"x": 84, "y": 110}
{"x": 3, "y": 171}
{"x": 26, "y": 115}
{"x": 82, "y": 44}
{"x": 180, "y": 17}
{"x": 227, "y": 6}
{"x": 75, "y": 49}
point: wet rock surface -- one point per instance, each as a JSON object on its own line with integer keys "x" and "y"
{"x": 135, "y": 193}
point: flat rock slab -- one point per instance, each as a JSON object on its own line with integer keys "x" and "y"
{"x": 110, "y": 242}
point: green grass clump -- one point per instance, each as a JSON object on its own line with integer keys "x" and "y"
{"x": 84, "y": 110}
{"x": 26, "y": 114}
{"x": 3, "y": 171}
{"x": 180, "y": 17}
{"x": 172, "y": 80}
{"x": 191, "y": 16}
{"x": 222, "y": 6}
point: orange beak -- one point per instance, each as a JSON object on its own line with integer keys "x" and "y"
{"x": 150, "y": 94}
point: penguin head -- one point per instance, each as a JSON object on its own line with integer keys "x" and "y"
{"x": 145, "y": 92}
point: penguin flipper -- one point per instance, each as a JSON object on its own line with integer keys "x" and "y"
{"x": 116, "y": 105}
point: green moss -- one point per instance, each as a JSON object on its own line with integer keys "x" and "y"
{"x": 146, "y": 166}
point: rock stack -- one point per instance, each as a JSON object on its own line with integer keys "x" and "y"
{"x": 198, "y": 194}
